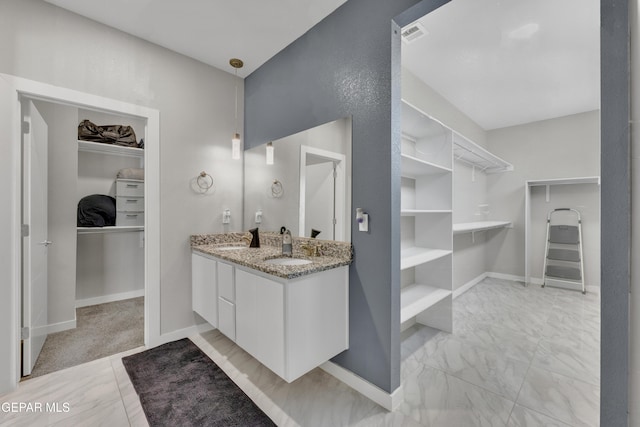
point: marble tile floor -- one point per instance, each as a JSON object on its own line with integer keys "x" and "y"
{"x": 518, "y": 357}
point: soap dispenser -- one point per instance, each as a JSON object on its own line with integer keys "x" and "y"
{"x": 287, "y": 246}
{"x": 255, "y": 238}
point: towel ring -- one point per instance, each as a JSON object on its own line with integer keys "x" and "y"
{"x": 204, "y": 181}
{"x": 276, "y": 189}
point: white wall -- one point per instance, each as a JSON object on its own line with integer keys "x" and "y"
{"x": 9, "y": 237}
{"x": 44, "y": 43}
{"x": 469, "y": 252}
{"x": 63, "y": 166}
{"x": 557, "y": 148}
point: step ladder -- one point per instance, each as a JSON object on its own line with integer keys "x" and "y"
{"x": 563, "y": 261}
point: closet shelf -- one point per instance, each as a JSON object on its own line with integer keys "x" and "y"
{"x": 471, "y": 227}
{"x": 114, "y": 229}
{"x": 564, "y": 181}
{"x": 413, "y": 167}
{"x": 415, "y": 212}
{"x": 413, "y": 256}
{"x": 116, "y": 150}
{"x": 471, "y": 153}
{"x": 416, "y": 298}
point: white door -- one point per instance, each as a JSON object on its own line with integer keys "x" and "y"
{"x": 34, "y": 285}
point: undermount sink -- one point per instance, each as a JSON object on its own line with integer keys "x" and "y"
{"x": 230, "y": 248}
{"x": 287, "y": 261}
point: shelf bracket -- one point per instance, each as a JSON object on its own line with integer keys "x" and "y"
{"x": 473, "y": 237}
{"x": 473, "y": 173}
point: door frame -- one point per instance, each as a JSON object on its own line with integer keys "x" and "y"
{"x": 24, "y": 88}
{"x": 341, "y": 193}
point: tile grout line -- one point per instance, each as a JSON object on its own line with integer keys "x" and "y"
{"x": 126, "y": 410}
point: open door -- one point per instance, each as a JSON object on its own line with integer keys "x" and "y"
{"x": 35, "y": 244}
{"x": 322, "y": 193}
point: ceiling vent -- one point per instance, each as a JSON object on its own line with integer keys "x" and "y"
{"x": 413, "y": 32}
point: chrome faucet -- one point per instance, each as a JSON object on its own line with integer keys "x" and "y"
{"x": 287, "y": 246}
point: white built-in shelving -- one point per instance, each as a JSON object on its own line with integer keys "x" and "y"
{"x": 467, "y": 151}
{"x": 548, "y": 184}
{"x": 472, "y": 227}
{"x": 416, "y": 212}
{"x": 426, "y": 220}
{"x": 413, "y": 167}
{"x": 113, "y": 229}
{"x": 111, "y": 150}
{"x": 116, "y": 150}
{"x": 416, "y": 298}
{"x": 414, "y": 256}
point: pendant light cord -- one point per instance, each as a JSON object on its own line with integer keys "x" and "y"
{"x": 236, "y": 118}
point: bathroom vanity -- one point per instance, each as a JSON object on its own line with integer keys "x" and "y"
{"x": 291, "y": 314}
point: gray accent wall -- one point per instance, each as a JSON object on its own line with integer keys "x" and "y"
{"x": 616, "y": 212}
{"x": 349, "y": 65}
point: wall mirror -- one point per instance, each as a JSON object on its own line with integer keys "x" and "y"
{"x": 302, "y": 182}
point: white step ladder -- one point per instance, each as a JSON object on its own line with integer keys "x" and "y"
{"x": 563, "y": 261}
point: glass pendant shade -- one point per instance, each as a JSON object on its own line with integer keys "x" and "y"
{"x": 269, "y": 153}
{"x": 235, "y": 146}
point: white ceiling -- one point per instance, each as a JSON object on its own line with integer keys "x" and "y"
{"x": 211, "y": 31}
{"x": 508, "y": 62}
{"x": 501, "y": 62}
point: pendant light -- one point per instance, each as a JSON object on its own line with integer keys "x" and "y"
{"x": 269, "y": 153}
{"x": 235, "y": 141}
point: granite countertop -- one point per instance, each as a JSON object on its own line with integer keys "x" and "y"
{"x": 332, "y": 254}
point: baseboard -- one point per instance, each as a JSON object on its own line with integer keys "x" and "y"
{"x": 109, "y": 298}
{"x": 388, "y": 401}
{"x": 503, "y": 276}
{"x": 537, "y": 281}
{"x": 470, "y": 284}
{"x": 181, "y": 333}
{"x": 54, "y": 327}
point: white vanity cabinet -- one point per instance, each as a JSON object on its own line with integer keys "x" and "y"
{"x": 204, "y": 288}
{"x": 289, "y": 325}
{"x": 292, "y": 326}
{"x": 226, "y": 300}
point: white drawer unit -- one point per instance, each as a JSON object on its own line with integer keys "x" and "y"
{"x": 227, "y": 317}
{"x": 129, "y": 204}
{"x": 129, "y": 219}
{"x": 129, "y": 187}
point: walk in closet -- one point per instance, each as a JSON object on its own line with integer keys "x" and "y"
{"x": 110, "y": 260}
{"x": 430, "y": 150}
{"x": 87, "y": 266}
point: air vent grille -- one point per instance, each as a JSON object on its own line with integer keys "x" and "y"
{"x": 413, "y": 32}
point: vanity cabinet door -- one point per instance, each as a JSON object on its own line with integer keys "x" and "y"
{"x": 260, "y": 319}
{"x": 225, "y": 282}
{"x": 204, "y": 288}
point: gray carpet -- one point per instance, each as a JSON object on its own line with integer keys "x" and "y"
{"x": 101, "y": 330}
{"x": 179, "y": 385}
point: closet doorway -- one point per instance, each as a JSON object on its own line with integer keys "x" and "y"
{"x": 50, "y": 115}
{"x": 519, "y": 103}
{"x": 83, "y": 202}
